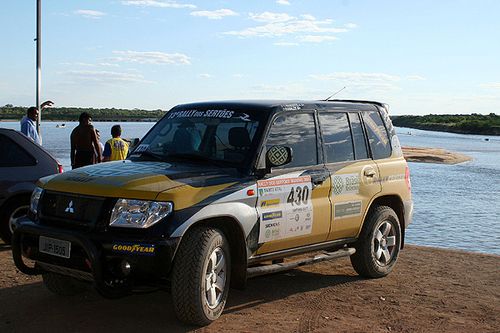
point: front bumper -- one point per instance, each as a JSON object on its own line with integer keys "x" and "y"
{"x": 96, "y": 257}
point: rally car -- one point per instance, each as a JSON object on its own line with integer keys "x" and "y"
{"x": 219, "y": 192}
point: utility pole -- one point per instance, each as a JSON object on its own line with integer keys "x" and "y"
{"x": 38, "y": 62}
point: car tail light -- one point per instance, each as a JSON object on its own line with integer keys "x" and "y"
{"x": 60, "y": 168}
{"x": 407, "y": 178}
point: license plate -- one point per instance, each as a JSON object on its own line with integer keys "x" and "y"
{"x": 55, "y": 247}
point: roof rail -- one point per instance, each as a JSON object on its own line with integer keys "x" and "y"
{"x": 384, "y": 105}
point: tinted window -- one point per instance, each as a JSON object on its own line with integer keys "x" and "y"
{"x": 360, "y": 151}
{"x": 13, "y": 155}
{"x": 296, "y": 131}
{"x": 337, "y": 136}
{"x": 377, "y": 135}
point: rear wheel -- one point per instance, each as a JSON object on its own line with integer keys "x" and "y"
{"x": 11, "y": 212}
{"x": 378, "y": 246}
{"x": 200, "y": 276}
{"x": 63, "y": 285}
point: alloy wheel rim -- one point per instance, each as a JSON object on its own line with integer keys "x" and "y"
{"x": 16, "y": 214}
{"x": 384, "y": 243}
{"x": 215, "y": 278}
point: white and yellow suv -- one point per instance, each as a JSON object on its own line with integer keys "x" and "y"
{"x": 218, "y": 192}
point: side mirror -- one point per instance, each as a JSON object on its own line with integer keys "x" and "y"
{"x": 277, "y": 156}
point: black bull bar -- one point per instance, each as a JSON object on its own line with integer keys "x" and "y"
{"x": 26, "y": 226}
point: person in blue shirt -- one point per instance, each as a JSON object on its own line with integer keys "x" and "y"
{"x": 28, "y": 123}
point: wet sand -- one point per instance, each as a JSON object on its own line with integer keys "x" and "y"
{"x": 433, "y": 155}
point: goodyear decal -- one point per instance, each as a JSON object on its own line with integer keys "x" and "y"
{"x": 272, "y": 215}
{"x": 135, "y": 249}
{"x": 270, "y": 203}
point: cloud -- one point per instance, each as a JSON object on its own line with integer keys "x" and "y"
{"x": 415, "y": 78}
{"x": 282, "y": 24}
{"x": 351, "y": 25}
{"x": 283, "y": 2}
{"x": 215, "y": 14}
{"x": 490, "y": 85}
{"x": 286, "y": 44}
{"x": 158, "y": 3}
{"x": 105, "y": 77}
{"x": 157, "y": 58}
{"x": 205, "y": 76}
{"x": 317, "y": 38}
{"x": 87, "y": 13}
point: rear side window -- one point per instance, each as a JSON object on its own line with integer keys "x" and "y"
{"x": 360, "y": 151}
{"x": 377, "y": 135}
{"x": 337, "y": 137}
{"x": 297, "y": 131}
{"x": 13, "y": 155}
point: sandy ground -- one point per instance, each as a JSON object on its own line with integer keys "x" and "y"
{"x": 430, "y": 290}
{"x": 433, "y": 155}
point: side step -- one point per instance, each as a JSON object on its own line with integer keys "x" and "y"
{"x": 280, "y": 267}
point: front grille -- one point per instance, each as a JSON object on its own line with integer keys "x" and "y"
{"x": 78, "y": 210}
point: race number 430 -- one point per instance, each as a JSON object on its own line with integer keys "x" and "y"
{"x": 298, "y": 195}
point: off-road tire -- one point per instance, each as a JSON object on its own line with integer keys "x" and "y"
{"x": 63, "y": 285}
{"x": 21, "y": 204}
{"x": 365, "y": 261}
{"x": 189, "y": 275}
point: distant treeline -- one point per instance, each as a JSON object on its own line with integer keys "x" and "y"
{"x": 10, "y": 112}
{"x": 466, "y": 124}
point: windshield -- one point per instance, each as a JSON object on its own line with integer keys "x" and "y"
{"x": 217, "y": 136}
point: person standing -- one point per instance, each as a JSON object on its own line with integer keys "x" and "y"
{"x": 116, "y": 148}
{"x": 28, "y": 123}
{"x": 99, "y": 141}
{"x": 85, "y": 148}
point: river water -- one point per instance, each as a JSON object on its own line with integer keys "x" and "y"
{"x": 456, "y": 206}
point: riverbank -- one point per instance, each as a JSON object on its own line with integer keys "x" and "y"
{"x": 430, "y": 290}
{"x": 433, "y": 155}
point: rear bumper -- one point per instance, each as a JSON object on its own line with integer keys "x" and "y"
{"x": 408, "y": 209}
{"x": 96, "y": 258}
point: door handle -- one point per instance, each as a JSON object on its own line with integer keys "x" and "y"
{"x": 369, "y": 172}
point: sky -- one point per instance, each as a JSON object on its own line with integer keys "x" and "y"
{"x": 420, "y": 57}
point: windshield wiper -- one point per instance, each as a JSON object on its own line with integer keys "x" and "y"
{"x": 156, "y": 156}
{"x": 198, "y": 158}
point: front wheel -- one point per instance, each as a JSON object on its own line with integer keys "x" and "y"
{"x": 11, "y": 212}
{"x": 200, "y": 276}
{"x": 378, "y": 246}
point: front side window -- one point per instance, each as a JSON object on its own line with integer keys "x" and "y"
{"x": 377, "y": 135}
{"x": 337, "y": 136}
{"x": 225, "y": 136}
{"x": 297, "y": 131}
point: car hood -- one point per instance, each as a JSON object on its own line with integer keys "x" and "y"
{"x": 143, "y": 180}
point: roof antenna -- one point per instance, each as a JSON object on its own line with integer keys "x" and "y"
{"x": 335, "y": 93}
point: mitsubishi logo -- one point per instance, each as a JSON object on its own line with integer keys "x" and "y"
{"x": 70, "y": 209}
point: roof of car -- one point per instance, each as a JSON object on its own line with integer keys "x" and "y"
{"x": 289, "y": 105}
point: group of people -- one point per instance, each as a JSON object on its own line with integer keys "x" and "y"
{"x": 86, "y": 147}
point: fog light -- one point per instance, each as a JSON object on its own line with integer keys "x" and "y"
{"x": 125, "y": 267}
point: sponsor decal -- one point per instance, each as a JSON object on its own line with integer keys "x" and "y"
{"x": 224, "y": 114}
{"x": 277, "y": 155}
{"x": 345, "y": 184}
{"x": 292, "y": 107}
{"x": 141, "y": 148}
{"x": 396, "y": 146}
{"x": 347, "y": 209}
{"x": 293, "y": 196}
{"x": 272, "y": 215}
{"x": 269, "y": 203}
{"x": 122, "y": 169}
{"x": 138, "y": 249}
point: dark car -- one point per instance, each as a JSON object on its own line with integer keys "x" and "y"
{"x": 22, "y": 163}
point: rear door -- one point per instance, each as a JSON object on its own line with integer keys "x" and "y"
{"x": 293, "y": 203}
{"x": 353, "y": 173}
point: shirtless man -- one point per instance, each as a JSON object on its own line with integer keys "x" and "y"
{"x": 84, "y": 143}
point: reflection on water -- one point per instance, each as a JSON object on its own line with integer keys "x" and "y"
{"x": 456, "y": 206}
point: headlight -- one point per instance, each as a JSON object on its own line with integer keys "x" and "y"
{"x": 35, "y": 198}
{"x": 130, "y": 213}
